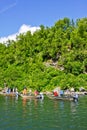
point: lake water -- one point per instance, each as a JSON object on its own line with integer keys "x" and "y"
{"x": 47, "y": 114}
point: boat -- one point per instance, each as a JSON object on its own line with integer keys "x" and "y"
{"x": 11, "y": 94}
{"x": 31, "y": 96}
{"x": 26, "y": 96}
{"x": 63, "y": 98}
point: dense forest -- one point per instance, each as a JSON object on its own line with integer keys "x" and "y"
{"x": 50, "y": 57}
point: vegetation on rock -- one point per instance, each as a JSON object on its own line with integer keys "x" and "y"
{"x": 52, "y": 56}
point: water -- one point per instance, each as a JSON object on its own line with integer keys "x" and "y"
{"x": 47, "y": 114}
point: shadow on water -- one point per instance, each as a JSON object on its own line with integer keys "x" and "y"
{"x": 36, "y": 114}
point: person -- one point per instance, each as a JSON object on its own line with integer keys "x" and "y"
{"x": 25, "y": 91}
{"x": 55, "y": 93}
{"x": 9, "y": 90}
{"x": 36, "y": 92}
{"x": 30, "y": 92}
{"x": 13, "y": 90}
{"x": 5, "y": 89}
{"x": 61, "y": 92}
{"x": 75, "y": 97}
{"x": 16, "y": 91}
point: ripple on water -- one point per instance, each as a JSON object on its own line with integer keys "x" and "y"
{"x": 42, "y": 115}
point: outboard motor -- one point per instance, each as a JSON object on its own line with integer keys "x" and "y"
{"x": 41, "y": 95}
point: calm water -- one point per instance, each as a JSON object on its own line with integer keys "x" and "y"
{"x": 19, "y": 114}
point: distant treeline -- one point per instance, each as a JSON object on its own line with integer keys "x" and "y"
{"x": 52, "y": 56}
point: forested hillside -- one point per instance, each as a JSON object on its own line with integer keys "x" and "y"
{"x": 52, "y": 56}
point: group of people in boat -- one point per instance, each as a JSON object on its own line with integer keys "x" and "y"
{"x": 60, "y": 93}
{"x": 35, "y": 93}
{"x": 28, "y": 92}
{"x": 56, "y": 92}
{"x": 9, "y": 90}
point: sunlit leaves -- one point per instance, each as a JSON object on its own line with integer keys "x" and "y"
{"x": 52, "y": 56}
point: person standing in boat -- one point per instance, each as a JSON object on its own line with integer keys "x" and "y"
{"x": 61, "y": 93}
{"x": 16, "y": 91}
{"x": 6, "y": 89}
{"x": 9, "y": 90}
{"x": 75, "y": 97}
{"x": 25, "y": 91}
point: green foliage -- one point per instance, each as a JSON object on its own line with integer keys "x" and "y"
{"x": 51, "y": 57}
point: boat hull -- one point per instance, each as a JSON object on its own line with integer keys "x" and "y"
{"x": 8, "y": 94}
{"x": 64, "y": 98}
{"x": 31, "y": 96}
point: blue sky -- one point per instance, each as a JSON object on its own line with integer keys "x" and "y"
{"x": 32, "y": 13}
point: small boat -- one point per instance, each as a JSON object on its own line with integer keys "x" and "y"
{"x": 64, "y": 98}
{"x": 28, "y": 96}
{"x": 11, "y": 94}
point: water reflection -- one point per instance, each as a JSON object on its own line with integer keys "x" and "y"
{"x": 62, "y": 105}
{"x": 24, "y": 101}
{"x": 23, "y": 114}
{"x": 73, "y": 106}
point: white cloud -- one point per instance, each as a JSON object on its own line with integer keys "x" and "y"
{"x": 10, "y": 37}
{"x": 23, "y": 29}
